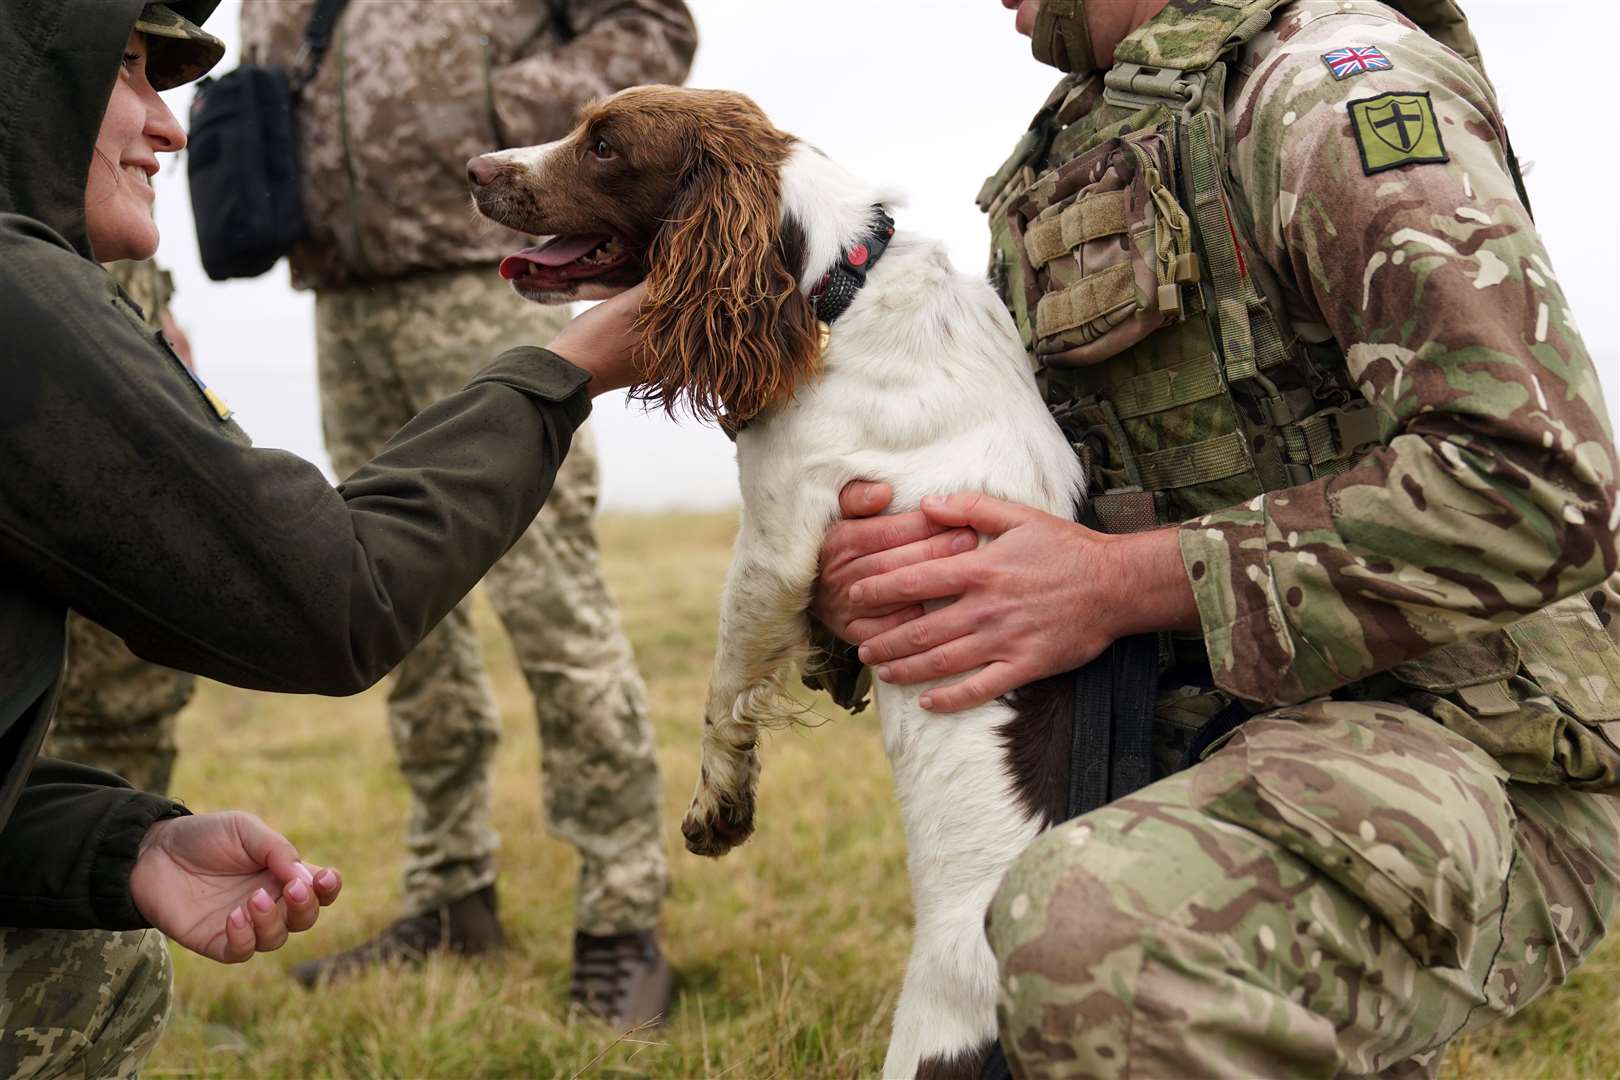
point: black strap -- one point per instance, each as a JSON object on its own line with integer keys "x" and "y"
{"x": 995, "y": 1066}
{"x": 1135, "y": 663}
{"x": 317, "y": 39}
{"x": 1111, "y": 733}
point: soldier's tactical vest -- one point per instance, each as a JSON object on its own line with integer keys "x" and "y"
{"x": 1166, "y": 359}
{"x": 1206, "y": 398}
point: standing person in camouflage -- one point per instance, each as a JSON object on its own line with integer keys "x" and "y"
{"x": 1383, "y": 565}
{"x": 117, "y": 712}
{"x": 408, "y": 307}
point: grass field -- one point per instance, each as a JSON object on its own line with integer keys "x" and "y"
{"x": 789, "y": 950}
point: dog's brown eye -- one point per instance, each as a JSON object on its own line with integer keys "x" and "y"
{"x": 602, "y": 149}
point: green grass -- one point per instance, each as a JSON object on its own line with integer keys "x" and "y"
{"x": 789, "y": 949}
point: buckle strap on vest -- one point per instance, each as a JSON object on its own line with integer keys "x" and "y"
{"x": 1334, "y": 435}
{"x": 1134, "y": 86}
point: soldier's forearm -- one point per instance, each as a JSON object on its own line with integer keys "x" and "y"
{"x": 1152, "y": 584}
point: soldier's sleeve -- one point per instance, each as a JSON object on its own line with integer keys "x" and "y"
{"x": 613, "y": 44}
{"x": 1494, "y": 494}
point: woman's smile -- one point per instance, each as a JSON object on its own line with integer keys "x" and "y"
{"x": 141, "y": 176}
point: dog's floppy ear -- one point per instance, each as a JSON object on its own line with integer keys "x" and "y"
{"x": 725, "y": 328}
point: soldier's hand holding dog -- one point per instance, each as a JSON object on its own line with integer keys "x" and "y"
{"x": 1041, "y": 596}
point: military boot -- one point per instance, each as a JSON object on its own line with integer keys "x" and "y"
{"x": 622, "y": 979}
{"x": 465, "y": 927}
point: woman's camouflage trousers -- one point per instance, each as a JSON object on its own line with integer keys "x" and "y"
{"x": 81, "y": 1003}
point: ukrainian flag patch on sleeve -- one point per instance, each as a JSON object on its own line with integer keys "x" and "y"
{"x": 1396, "y": 129}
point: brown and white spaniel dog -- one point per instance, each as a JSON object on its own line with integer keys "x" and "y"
{"x": 744, "y": 235}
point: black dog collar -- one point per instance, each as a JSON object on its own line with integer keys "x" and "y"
{"x": 831, "y": 296}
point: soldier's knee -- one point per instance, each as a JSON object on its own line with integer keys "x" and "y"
{"x": 1052, "y": 899}
{"x": 1068, "y": 954}
{"x": 1411, "y": 821}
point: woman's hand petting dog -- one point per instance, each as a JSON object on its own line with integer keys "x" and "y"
{"x": 1042, "y": 596}
{"x": 602, "y": 340}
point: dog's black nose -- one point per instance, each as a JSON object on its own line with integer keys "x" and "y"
{"x": 481, "y": 170}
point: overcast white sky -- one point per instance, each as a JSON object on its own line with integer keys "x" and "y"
{"x": 928, "y": 96}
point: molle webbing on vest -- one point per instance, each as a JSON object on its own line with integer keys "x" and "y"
{"x": 1168, "y": 388}
{"x": 1251, "y": 341}
{"x": 1090, "y": 218}
{"x": 1093, "y": 297}
{"x": 1198, "y": 463}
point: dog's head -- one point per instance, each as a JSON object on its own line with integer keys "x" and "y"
{"x": 681, "y": 188}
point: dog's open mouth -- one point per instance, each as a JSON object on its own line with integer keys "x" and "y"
{"x": 564, "y": 261}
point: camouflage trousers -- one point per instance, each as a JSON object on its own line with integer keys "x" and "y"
{"x": 117, "y": 712}
{"x": 386, "y": 352}
{"x": 81, "y": 1003}
{"x": 1340, "y": 890}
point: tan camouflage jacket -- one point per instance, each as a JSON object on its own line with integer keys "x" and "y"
{"x": 1381, "y": 199}
{"x": 411, "y": 89}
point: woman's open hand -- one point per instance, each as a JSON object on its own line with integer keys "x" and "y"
{"x": 227, "y": 885}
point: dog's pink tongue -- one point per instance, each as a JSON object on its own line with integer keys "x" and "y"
{"x": 558, "y": 251}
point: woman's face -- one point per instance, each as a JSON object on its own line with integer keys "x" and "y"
{"x": 118, "y": 193}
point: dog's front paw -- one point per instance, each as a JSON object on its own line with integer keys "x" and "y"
{"x": 714, "y": 825}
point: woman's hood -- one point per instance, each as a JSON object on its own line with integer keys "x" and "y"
{"x": 58, "y": 62}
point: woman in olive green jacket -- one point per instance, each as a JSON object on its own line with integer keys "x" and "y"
{"x": 127, "y": 496}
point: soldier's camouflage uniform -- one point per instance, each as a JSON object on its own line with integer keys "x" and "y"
{"x": 408, "y": 307}
{"x": 1417, "y": 832}
{"x": 386, "y": 353}
{"x": 117, "y": 711}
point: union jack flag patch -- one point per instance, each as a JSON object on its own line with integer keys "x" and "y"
{"x": 1356, "y": 60}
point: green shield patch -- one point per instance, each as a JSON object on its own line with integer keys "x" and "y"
{"x": 1396, "y": 129}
